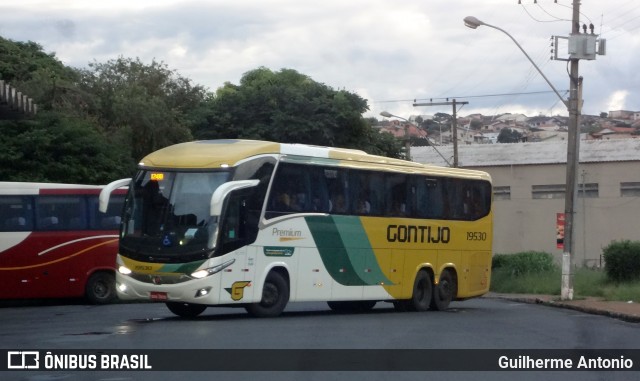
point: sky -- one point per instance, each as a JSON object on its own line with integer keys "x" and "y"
{"x": 392, "y": 53}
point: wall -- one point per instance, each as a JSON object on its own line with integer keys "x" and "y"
{"x": 523, "y": 223}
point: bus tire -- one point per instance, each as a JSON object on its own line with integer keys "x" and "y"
{"x": 101, "y": 288}
{"x": 422, "y": 292}
{"x": 275, "y": 296}
{"x": 352, "y": 306}
{"x": 186, "y": 310}
{"x": 444, "y": 292}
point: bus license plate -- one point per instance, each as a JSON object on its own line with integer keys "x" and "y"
{"x": 157, "y": 295}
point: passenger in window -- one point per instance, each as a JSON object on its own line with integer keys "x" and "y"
{"x": 283, "y": 202}
{"x": 298, "y": 202}
{"x": 398, "y": 209}
{"x": 363, "y": 207}
{"x": 338, "y": 204}
{"x": 317, "y": 205}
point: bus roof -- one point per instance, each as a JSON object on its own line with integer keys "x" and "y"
{"x": 228, "y": 152}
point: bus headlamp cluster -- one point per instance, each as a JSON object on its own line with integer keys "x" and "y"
{"x": 124, "y": 270}
{"x": 212, "y": 270}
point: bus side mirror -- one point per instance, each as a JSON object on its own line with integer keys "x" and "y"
{"x": 215, "y": 209}
{"x": 105, "y": 193}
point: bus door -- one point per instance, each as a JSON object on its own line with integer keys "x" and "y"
{"x": 237, "y": 232}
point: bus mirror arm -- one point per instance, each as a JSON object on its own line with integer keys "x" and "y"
{"x": 223, "y": 190}
{"x": 105, "y": 194}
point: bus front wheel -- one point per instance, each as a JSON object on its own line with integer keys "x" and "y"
{"x": 275, "y": 296}
{"x": 444, "y": 292}
{"x": 101, "y": 288}
{"x": 186, "y": 310}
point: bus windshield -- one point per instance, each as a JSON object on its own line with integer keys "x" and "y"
{"x": 167, "y": 214}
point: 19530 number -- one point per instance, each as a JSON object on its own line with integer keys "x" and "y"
{"x": 476, "y": 236}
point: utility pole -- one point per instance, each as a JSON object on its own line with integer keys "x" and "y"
{"x": 454, "y": 124}
{"x": 581, "y": 46}
{"x": 573, "y": 153}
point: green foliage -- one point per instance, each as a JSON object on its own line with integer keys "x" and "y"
{"x": 508, "y": 135}
{"x": 94, "y": 124}
{"x": 530, "y": 262}
{"x": 150, "y": 103}
{"x": 622, "y": 260}
{"x": 44, "y": 78}
{"x": 546, "y": 282}
{"x": 290, "y": 107}
{"x": 56, "y": 148}
{"x": 586, "y": 282}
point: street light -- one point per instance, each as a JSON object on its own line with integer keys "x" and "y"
{"x": 406, "y": 135}
{"x": 573, "y": 152}
{"x": 407, "y": 143}
{"x": 473, "y": 23}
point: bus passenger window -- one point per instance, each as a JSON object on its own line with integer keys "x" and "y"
{"x": 16, "y": 213}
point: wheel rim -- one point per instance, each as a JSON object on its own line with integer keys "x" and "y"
{"x": 100, "y": 290}
{"x": 444, "y": 290}
{"x": 269, "y": 295}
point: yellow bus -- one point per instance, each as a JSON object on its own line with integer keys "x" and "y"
{"x": 258, "y": 224}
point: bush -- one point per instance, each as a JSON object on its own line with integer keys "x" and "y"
{"x": 523, "y": 263}
{"x": 622, "y": 261}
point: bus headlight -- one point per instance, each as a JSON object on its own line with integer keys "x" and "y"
{"x": 124, "y": 270}
{"x": 212, "y": 270}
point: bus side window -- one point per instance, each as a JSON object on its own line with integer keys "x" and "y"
{"x": 109, "y": 220}
{"x": 396, "y": 191}
{"x": 16, "y": 213}
{"x": 60, "y": 212}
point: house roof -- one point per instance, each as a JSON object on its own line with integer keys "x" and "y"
{"x": 483, "y": 155}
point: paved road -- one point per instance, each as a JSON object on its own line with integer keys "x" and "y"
{"x": 474, "y": 324}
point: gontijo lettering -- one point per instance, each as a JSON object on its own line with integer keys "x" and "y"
{"x": 418, "y": 233}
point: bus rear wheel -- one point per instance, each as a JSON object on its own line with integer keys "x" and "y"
{"x": 186, "y": 310}
{"x": 101, "y": 288}
{"x": 444, "y": 292}
{"x": 275, "y": 296}
{"x": 422, "y": 292}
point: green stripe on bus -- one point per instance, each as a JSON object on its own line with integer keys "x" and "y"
{"x": 332, "y": 251}
{"x": 346, "y": 251}
{"x": 359, "y": 250}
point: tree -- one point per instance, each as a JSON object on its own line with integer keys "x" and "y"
{"x": 604, "y": 115}
{"x": 146, "y": 106}
{"x": 476, "y": 124}
{"x": 507, "y": 135}
{"x": 290, "y": 107}
{"x": 40, "y": 76}
{"x": 53, "y": 147}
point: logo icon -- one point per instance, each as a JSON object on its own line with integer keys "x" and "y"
{"x": 23, "y": 360}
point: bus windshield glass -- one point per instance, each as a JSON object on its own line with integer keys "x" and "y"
{"x": 167, "y": 214}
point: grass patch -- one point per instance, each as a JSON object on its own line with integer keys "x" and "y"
{"x": 586, "y": 282}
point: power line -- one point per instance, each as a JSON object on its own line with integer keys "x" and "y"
{"x": 467, "y": 96}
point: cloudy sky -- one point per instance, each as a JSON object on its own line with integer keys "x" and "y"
{"x": 389, "y": 52}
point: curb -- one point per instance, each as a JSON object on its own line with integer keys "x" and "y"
{"x": 559, "y": 304}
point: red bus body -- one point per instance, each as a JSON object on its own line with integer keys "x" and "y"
{"x": 55, "y": 244}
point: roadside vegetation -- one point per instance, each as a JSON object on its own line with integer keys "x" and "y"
{"x": 536, "y": 273}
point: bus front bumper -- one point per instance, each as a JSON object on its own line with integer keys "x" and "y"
{"x": 198, "y": 291}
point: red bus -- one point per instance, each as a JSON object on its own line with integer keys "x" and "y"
{"x": 54, "y": 243}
